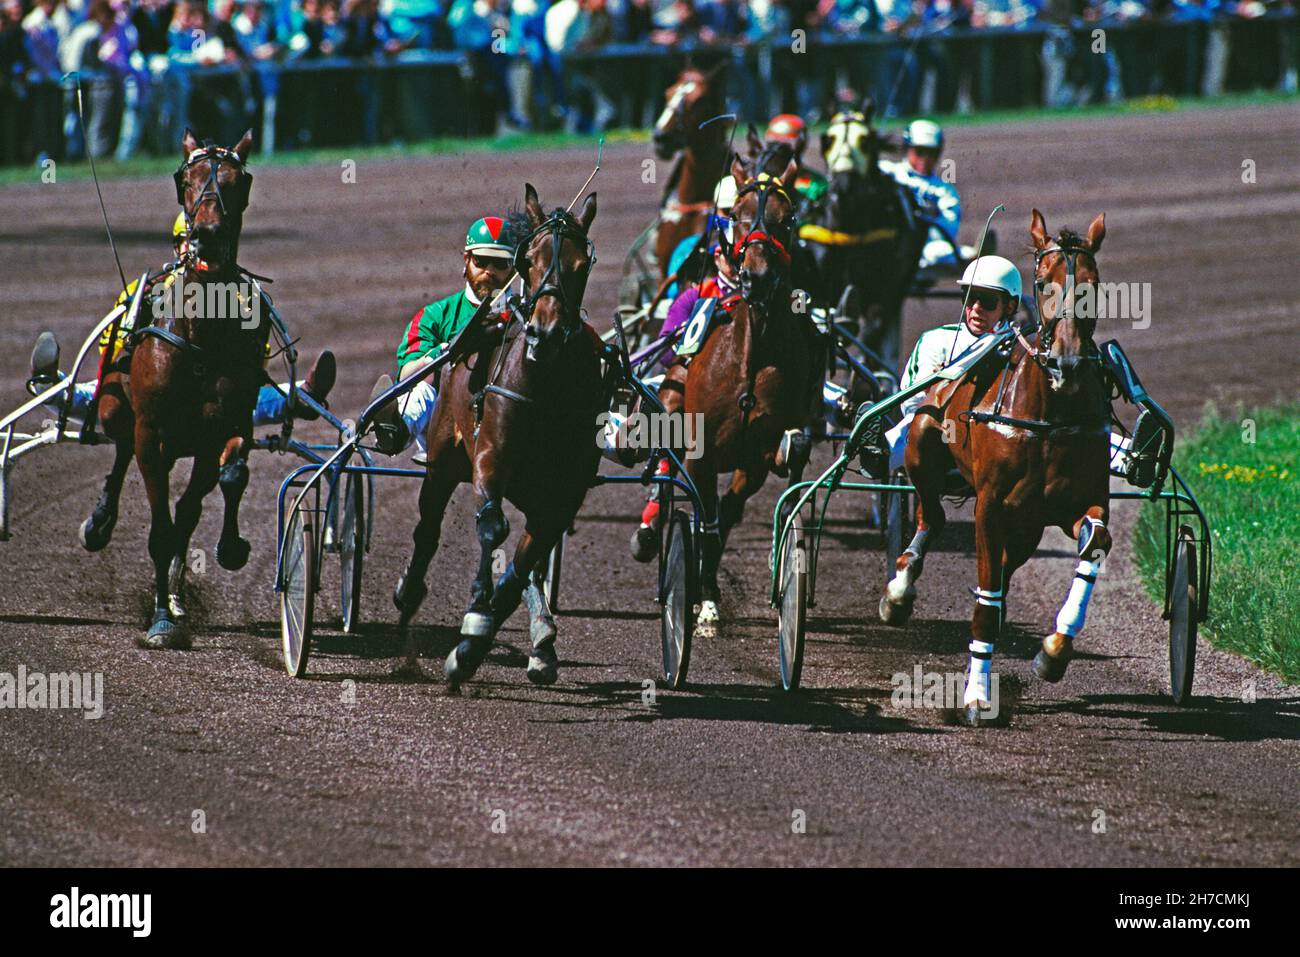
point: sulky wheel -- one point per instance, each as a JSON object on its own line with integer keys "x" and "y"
{"x": 298, "y": 592}
{"x": 4, "y": 504}
{"x": 352, "y": 547}
{"x": 1182, "y": 598}
{"x": 678, "y": 596}
{"x": 793, "y": 611}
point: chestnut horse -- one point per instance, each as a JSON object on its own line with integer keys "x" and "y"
{"x": 1030, "y": 433}
{"x": 518, "y": 421}
{"x": 751, "y": 378}
{"x": 192, "y": 388}
{"x": 694, "y": 97}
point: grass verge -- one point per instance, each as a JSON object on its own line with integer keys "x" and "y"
{"x": 1250, "y": 493}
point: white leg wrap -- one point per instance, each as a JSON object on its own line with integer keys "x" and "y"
{"x": 981, "y": 663}
{"x": 1069, "y": 621}
{"x": 897, "y": 438}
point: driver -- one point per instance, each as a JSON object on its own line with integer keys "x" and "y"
{"x": 272, "y": 401}
{"x": 488, "y": 254}
{"x": 937, "y": 198}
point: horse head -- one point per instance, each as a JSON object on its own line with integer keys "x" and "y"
{"x": 212, "y": 187}
{"x": 763, "y": 231}
{"x": 852, "y": 148}
{"x": 694, "y": 97}
{"x": 1064, "y": 268}
{"x": 554, "y": 260}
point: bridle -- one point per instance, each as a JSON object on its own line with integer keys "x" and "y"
{"x": 1070, "y": 252}
{"x": 760, "y": 234}
{"x": 560, "y": 226}
{"x": 214, "y": 156}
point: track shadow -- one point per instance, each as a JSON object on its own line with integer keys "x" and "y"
{"x": 1224, "y": 719}
{"x": 61, "y": 620}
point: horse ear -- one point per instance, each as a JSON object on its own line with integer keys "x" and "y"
{"x": 1097, "y": 232}
{"x": 244, "y": 146}
{"x": 754, "y": 141}
{"x": 189, "y": 143}
{"x": 1038, "y": 230}
{"x": 738, "y": 172}
{"x": 791, "y": 171}
{"x": 532, "y": 205}
{"x": 588, "y": 212}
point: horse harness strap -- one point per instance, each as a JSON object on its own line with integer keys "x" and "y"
{"x": 825, "y": 236}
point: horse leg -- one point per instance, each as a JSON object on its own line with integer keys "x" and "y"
{"x": 478, "y": 625}
{"x": 705, "y": 478}
{"x": 189, "y": 508}
{"x": 926, "y": 469}
{"x": 435, "y": 492}
{"x": 232, "y": 549}
{"x": 1094, "y": 545}
{"x": 97, "y": 530}
{"x": 986, "y": 620}
{"x": 533, "y": 548}
{"x": 164, "y": 631}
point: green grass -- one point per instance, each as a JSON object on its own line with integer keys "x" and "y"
{"x": 163, "y": 165}
{"x": 1250, "y": 493}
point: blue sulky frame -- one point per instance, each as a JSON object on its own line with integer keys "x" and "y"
{"x": 1184, "y": 519}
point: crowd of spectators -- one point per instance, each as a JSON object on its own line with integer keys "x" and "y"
{"x": 138, "y": 59}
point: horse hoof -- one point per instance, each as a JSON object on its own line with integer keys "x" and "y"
{"x": 543, "y": 664}
{"x": 464, "y": 660}
{"x": 94, "y": 537}
{"x": 895, "y": 613}
{"x": 409, "y": 595}
{"x": 975, "y": 715}
{"x": 233, "y": 555}
{"x": 175, "y": 606}
{"x": 707, "y": 620}
{"x": 1049, "y": 667}
{"x": 164, "y": 633}
{"x": 645, "y": 544}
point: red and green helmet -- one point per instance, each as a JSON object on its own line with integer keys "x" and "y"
{"x": 490, "y": 236}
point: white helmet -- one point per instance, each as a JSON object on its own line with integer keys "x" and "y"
{"x": 993, "y": 272}
{"x": 724, "y": 195}
{"x": 925, "y": 134}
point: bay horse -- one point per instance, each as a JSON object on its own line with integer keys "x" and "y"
{"x": 751, "y": 378}
{"x": 518, "y": 421}
{"x": 862, "y": 236}
{"x": 191, "y": 390}
{"x": 1030, "y": 433}
{"x": 694, "y": 97}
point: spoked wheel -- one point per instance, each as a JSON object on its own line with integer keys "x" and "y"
{"x": 299, "y": 592}
{"x": 897, "y": 518}
{"x": 793, "y": 612}
{"x": 678, "y": 595}
{"x": 1182, "y": 618}
{"x": 352, "y": 547}
{"x": 551, "y": 583}
{"x": 4, "y": 504}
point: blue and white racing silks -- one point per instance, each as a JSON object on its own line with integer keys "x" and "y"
{"x": 938, "y": 199}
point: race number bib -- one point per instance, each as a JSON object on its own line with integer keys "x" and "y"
{"x": 697, "y": 329}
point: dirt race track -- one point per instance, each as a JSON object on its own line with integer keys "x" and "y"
{"x": 585, "y": 772}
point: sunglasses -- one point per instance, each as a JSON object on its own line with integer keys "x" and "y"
{"x": 489, "y": 262}
{"x": 987, "y": 298}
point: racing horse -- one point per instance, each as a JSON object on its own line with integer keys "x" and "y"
{"x": 863, "y": 237}
{"x": 517, "y": 421}
{"x": 192, "y": 386}
{"x": 750, "y": 378}
{"x": 1030, "y": 433}
{"x": 694, "y": 97}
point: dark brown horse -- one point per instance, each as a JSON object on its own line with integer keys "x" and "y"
{"x": 1030, "y": 433}
{"x": 694, "y": 97}
{"x": 518, "y": 421}
{"x": 192, "y": 387}
{"x": 750, "y": 379}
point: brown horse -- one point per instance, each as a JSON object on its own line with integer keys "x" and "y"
{"x": 750, "y": 378}
{"x": 1030, "y": 433}
{"x": 694, "y": 97}
{"x": 518, "y": 420}
{"x": 191, "y": 391}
